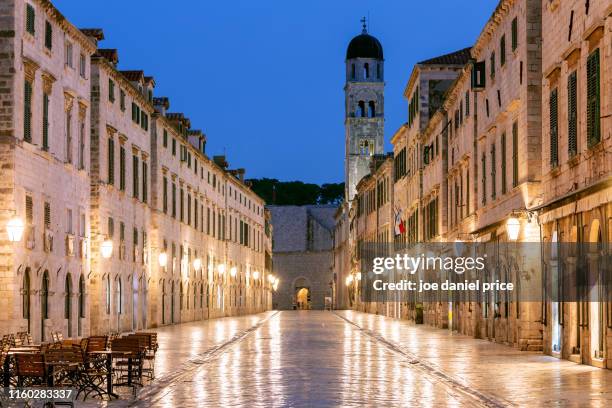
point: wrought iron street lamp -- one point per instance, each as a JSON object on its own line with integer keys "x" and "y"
{"x": 15, "y": 228}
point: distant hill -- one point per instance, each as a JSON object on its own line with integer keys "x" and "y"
{"x": 297, "y": 192}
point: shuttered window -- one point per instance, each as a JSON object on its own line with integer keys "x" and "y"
{"x": 135, "y": 177}
{"x": 122, "y": 168}
{"x": 572, "y": 115}
{"x": 503, "y": 163}
{"x": 145, "y": 176}
{"x": 483, "y": 162}
{"x": 111, "y": 91}
{"x": 502, "y": 50}
{"x": 165, "y": 139}
{"x": 111, "y": 161}
{"x": 493, "y": 172}
{"x": 173, "y": 200}
{"x": 45, "y": 123}
{"x": 165, "y": 196}
{"x": 48, "y": 35}
{"x": 515, "y": 154}
{"x": 493, "y": 65}
{"x": 467, "y": 103}
{"x": 30, "y": 19}
{"x": 29, "y": 206}
{"x": 27, "y": 111}
{"x": 514, "y": 34}
{"x": 47, "y": 219}
{"x": 554, "y": 128}
{"x": 593, "y": 99}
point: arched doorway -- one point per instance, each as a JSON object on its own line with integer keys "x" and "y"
{"x": 301, "y": 297}
{"x": 134, "y": 302}
{"x": 25, "y": 293}
{"x": 81, "y": 305}
{"x": 163, "y": 301}
{"x": 143, "y": 302}
{"x": 67, "y": 303}
{"x": 172, "y": 303}
{"x": 44, "y": 303}
{"x": 556, "y": 309}
{"x": 596, "y": 305}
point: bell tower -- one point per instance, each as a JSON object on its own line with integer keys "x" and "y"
{"x": 364, "y": 107}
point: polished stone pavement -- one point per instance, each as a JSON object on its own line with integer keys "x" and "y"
{"x": 350, "y": 359}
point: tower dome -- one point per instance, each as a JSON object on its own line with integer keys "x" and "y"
{"x": 364, "y": 46}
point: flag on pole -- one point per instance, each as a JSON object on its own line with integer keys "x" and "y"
{"x": 400, "y": 227}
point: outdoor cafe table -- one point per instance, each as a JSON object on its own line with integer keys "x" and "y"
{"x": 129, "y": 355}
{"x": 53, "y": 364}
{"x": 109, "y": 370}
{"x": 12, "y": 351}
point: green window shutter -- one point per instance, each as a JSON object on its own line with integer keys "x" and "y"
{"x": 165, "y": 196}
{"x": 502, "y": 50}
{"x": 493, "y": 65}
{"x": 133, "y": 112}
{"x": 467, "y": 103}
{"x": 30, "y": 19}
{"x": 493, "y": 173}
{"x": 514, "y": 34}
{"x": 554, "y": 129}
{"x": 515, "y": 154}
{"x": 593, "y": 100}
{"x": 45, "y": 129}
{"x": 27, "y": 111}
{"x": 48, "y": 35}
{"x": 503, "y": 163}
{"x": 145, "y": 191}
{"x": 111, "y": 91}
{"x": 122, "y": 168}
{"x": 165, "y": 140}
{"x": 572, "y": 117}
{"x": 111, "y": 161}
{"x": 484, "y": 178}
{"x": 135, "y": 189}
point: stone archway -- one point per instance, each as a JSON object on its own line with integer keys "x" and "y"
{"x": 301, "y": 293}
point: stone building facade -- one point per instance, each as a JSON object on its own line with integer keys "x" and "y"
{"x": 302, "y": 256}
{"x": 576, "y": 172}
{"x": 519, "y": 135}
{"x": 132, "y": 225}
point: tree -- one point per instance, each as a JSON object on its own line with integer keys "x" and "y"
{"x": 278, "y": 192}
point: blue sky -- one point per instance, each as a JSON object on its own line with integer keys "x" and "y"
{"x": 263, "y": 79}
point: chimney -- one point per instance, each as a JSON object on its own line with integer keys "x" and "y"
{"x": 161, "y": 104}
{"x": 220, "y": 161}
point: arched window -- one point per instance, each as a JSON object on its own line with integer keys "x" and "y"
{"x": 164, "y": 301}
{"x": 81, "y": 304}
{"x": 67, "y": 305}
{"x": 353, "y": 71}
{"x": 366, "y": 70}
{"x": 25, "y": 293}
{"x": 44, "y": 303}
{"x": 371, "y": 109}
{"x": 119, "y": 296}
{"x": 181, "y": 296}
{"x": 360, "y": 112}
{"x": 108, "y": 294}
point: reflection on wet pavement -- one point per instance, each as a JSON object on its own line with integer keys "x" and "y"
{"x": 350, "y": 359}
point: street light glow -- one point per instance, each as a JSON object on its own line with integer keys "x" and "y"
{"x": 15, "y": 228}
{"x": 106, "y": 248}
{"x": 162, "y": 259}
{"x": 221, "y": 269}
{"x": 197, "y": 264}
{"x": 233, "y": 271}
{"x": 513, "y": 226}
{"x": 256, "y": 275}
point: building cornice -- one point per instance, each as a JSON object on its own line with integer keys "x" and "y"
{"x": 88, "y": 45}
